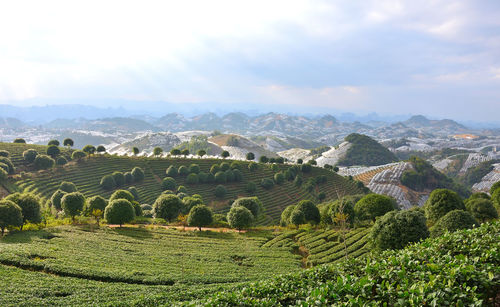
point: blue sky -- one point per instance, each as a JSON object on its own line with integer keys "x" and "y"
{"x": 439, "y": 58}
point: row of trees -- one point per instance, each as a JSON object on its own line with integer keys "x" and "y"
{"x": 118, "y": 179}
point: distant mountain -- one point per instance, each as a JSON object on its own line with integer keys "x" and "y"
{"x": 420, "y": 121}
{"x": 10, "y": 122}
{"x": 109, "y": 125}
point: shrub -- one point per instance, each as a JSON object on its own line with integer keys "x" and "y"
{"x": 30, "y": 206}
{"x": 182, "y": 189}
{"x": 122, "y": 194}
{"x": 194, "y": 168}
{"x": 10, "y": 215}
{"x": 494, "y": 187}
{"x": 482, "y": 209}
{"x": 89, "y": 149}
{"x": 279, "y": 178}
{"x": 61, "y": 161}
{"x": 44, "y": 162}
{"x": 440, "y": 202}
{"x": 397, "y": 229}
{"x": 190, "y": 201}
{"x": 78, "y": 155}
{"x": 298, "y": 181}
{"x": 263, "y": 159}
{"x": 215, "y": 169}
{"x": 68, "y": 187}
{"x": 129, "y": 178}
{"x": 183, "y": 170}
{"x": 251, "y": 187}
{"x": 30, "y": 155}
{"x": 73, "y": 203}
{"x": 119, "y": 211}
{"x": 224, "y": 166}
{"x": 202, "y": 177}
{"x": 68, "y": 142}
{"x": 239, "y": 217}
{"x": 306, "y": 168}
{"x": 266, "y": 183}
{"x": 251, "y": 203}
{"x": 285, "y": 215}
{"x": 172, "y": 171}
{"x": 252, "y": 166}
{"x": 297, "y": 217}
{"x": 225, "y": 154}
{"x": 101, "y": 148}
{"x": 182, "y": 195}
{"x": 137, "y": 208}
{"x": 167, "y": 207}
{"x": 210, "y": 178}
{"x": 5, "y": 167}
{"x": 220, "y": 191}
{"x": 321, "y": 196}
{"x": 20, "y": 141}
{"x": 373, "y": 205}
{"x": 250, "y": 156}
{"x": 311, "y": 212}
{"x": 168, "y": 183}
{"x": 333, "y": 209}
{"x": 53, "y": 143}
{"x": 138, "y": 174}
{"x": 146, "y": 207}
{"x": 229, "y": 175}
{"x": 9, "y": 163}
{"x": 55, "y": 200}
{"x": 300, "y": 161}
{"x": 53, "y": 150}
{"x": 3, "y": 175}
{"x": 192, "y": 178}
{"x": 119, "y": 178}
{"x": 199, "y": 216}
{"x": 220, "y": 177}
{"x": 453, "y": 221}
{"x": 134, "y": 192}
{"x": 95, "y": 203}
{"x": 108, "y": 183}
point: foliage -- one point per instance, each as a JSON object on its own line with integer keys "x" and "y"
{"x": 135, "y": 151}
{"x": 67, "y": 187}
{"x": 285, "y": 215}
{"x": 331, "y": 209}
{"x": 168, "y": 183}
{"x": 200, "y": 216}
{"x": 171, "y": 171}
{"x": 43, "y": 162}
{"x": 134, "y": 192}
{"x": 194, "y": 168}
{"x": 138, "y": 174}
{"x": 453, "y": 221}
{"x": 107, "y": 183}
{"x": 251, "y": 203}
{"x": 30, "y": 206}
{"x": 297, "y": 217}
{"x": 225, "y": 154}
{"x": 19, "y": 141}
{"x": 157, "y": 151}
{"x": 119, "y": 178}
{"x": 494, "y": 187}
{"x": 53, "y": 151}
{"x": 190, "y": 202}
{"x": 250, "y": 156}
{"x": 167, "y": 207}
{"x": 122, "y": 194}
{"x": 61, "y": 161}
{"x": 119, "y": 211}
{"x": 183, "y": 170}
{"x": 9, "y": 163}
{"x": 440, "y": 202}
{"x": 220, "y": 177}
{"x": 68, "y": 142}
{"x": 78, "y": 155}
{"x": 10, "y": 215}
{"x": 89, "y": 149}
{"x": 192, "y": 178}
{"x": 475, "y": 174}
{"x": 73, "y": 203}
{"x": 196, "y": 144}
{"x": 239, "y": 217}
{"x": 267, "y": 183}
{"x": 53, "y": 143}
{"x": 129, "y": 178}
{"x": 263, "y": 159}
{"x": 306, "y": 168}
{"x": 238, "y": 175}
{"x": 482, "y": 209}
{"x": 3, "y": 175}
{"x": 250, "y": 187}
{"x": 220, "y": 191}
{"x": 279, "y": 178}
{"x": 373, "y": 205}
{"x": 29, "y": 155}
{"x": 311, "y": 212}
{"x": 55, "y": 200}
{"x": 95, "y": 203}
{"x": 101, "y": 148}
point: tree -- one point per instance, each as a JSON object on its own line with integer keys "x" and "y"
{"x": 9, "y": 163}
{"x": 225, "y": 154}
{"x": 347, "y": 203}
{"x": 19, "y": 141}
{"x": 61, "y": 161}
{"x": 182, "y": 189}
{"x": 157, "y": 151}
{"x": 78, "y": 155}
{"x": 279, "y": 178}
{"x": 252, "y": 166}
{"x": 96, "y": 203}
{"x": 55, "y": 200}
{"x": 129, "y": 178}
{"x": 167, "y": 207}
{"x": 101, "y": 149}
{"x": 220, "y": 177}
{"x": 336, "y": 169}
{"x": 119, "y": 211}
{"x": 67, "y": 187}
{"x": 440, "y": 202}
{"x": 311, "y": 212}
{"x": 4, "y": 153}
{"x": 189, "y": 202}
{"x": 300, "y": 161}
{"x": 89, "y": 150}
{"x": 192, "y": 179}
{"x": 263, "y": 159}
{"x": 453, "y": 221}
{"x": 266, "y": 183}
{"x": 250, "y": 187}
{"x": 122, "y": 194}
{"x": 215, "y": 169}
{"x": 135, "y": 151}
{"x": 3, "y": 175}
{"x": 30, "y": 155}
{"x": 168, "y": 183}
{"x": 68, "y": 142}
{"x": 134, "y": 192}
{"x": 224, "y": 166}
{"x": 482, "y": 209}
{"x": 10, "y": 215}
{"x": 53, "y": 151}
{"x": 202, "y": 177}
{"x": 183, "y": 170}
{"x": 229, "y": 175}
{"x": 53, "y": 143}
{"x": 137, "y": 208}
{"x": 220, "y": 191}
{"x": 185, "y": 152}
{"x": 119, "y": 178}
{"x": 175, "y": 152}
{"x": 297, "y": 217}
{"x": 199, "y": 216}
{"x": 306, "y": 168}
{"x": 201, "y": 153}
{"x": 239, "y": 217}
{"x": 251, "y": 203}
{"x": 194, "y": 168}
{"x": 44, "y": 162}
{"x": 297, "y": 181}
{"x": 397, "y": 229}
{"x": 373, "y": 205}
{"x": 172, "y": 171}
{"x": 250, "y": 156}
{"x": 138, "y": 174}
{"x": 494, "y": 187}
{"x": 72, "y": 204}
{"x": 238, "y": 175}
{"x": 30, "y": 206}
{"x": 285, "y": 215}
{"x": 108, "y": 183}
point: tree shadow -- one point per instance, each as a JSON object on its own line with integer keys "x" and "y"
{"x": 16, "y": 236}
{"x": 133, "y": 232}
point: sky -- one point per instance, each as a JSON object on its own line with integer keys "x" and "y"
{"x": 438, "y": 58}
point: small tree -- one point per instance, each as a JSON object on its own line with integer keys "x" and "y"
{"x": 306, "y": 168}
{"x": 229, "y": 175}
{"x": 373, "y": 205}
{"x": 67, "y": 187}
{"x": 4, "y": 153}
{"x": 252, "y": 166}
{"x": 285, "y": 215}
{"x": 194, "y": 168}
{"x": 168, "y": 183}
{"x": 119, "y": 211}
{"x": 95, "y": 207}
{"x": 30, "y": 155}
{"x": 10, "y": 215}
{"x": 135, "y": 151}
{"x": 266, "y": 183}
{"x": 220, "y": 191}
{"x": 200, "y": 216}
{"x": 297, "y": 217}
{"x": 182, "y": 189}
{"x": 453, "y": 221}
{"x": 263, "y": 159}
{"x": 240, "y": 217}
{"x": 220, "y": 177}
{"x": 101, "y": 149}
{"x": 238, "y": 175}
{"x": 185, "y": 152}
{"x": 134, "y": 192}
{"x": 482, "y": 209}
{"x": 251, "y": 187}
{"x": 55, "y": 200}
{"x": 225, "y": 154}
{"x": 224, "y": 166}
{"x": 108, "y": 183}
{"x": 53, "y": 143}
{"x": 72, "y": 204}
{"x": 30, "y": 206}
{"x": 440, "y": 202}
{"x": 311, "y": 212}
{"x": 300, "y": 161}
{"x": 44, "y": 162}
{"x": 251, "y": 203}
{"x": 192, "y": 179}
{"x": 201, "y": 153}
{"x": 3, "y": 175}
{"x": 157, "y": 151}
{"x": 129, "y": 178}
{"x": 167, "y": 207}
{"x": 189, "y": 202}
{"x": 494, "y": 187}
{"x": 78, "y": 155}
{"x": 6, "y": 161}
{"x": 122, "y": 194}
{"x": 119, "y": 178}
{"x": 20, "y": 141}
{"x": 89, "y": 150}
{"x": 175, "y": 152}
{"x": 53, "y": 151}
{"x": 172, "y": 171}
{"x": 250, "y": 156}
{"x": 215, "y": 169}
{"x": 183, "y": 170}
{"x": 68, "y": 142}
{"x": 279, "y": 178}
{"x": 61, "y": 161}
{"x": 138, "y": 174}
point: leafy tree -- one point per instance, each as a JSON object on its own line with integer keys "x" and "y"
{"x": 167, "y": 207}
{"x": 311, "y": 212}
{"x": 220, "y": 191}
{"x": 306, "y": 168}
{"x": 312, "y": 162}
{"x": 251, "y": 187}
{"x": 297, "y": 217}
{"x": 201, "y": 152}
{"x": 30, "y": 155}
{"x": 482, "y": 209}
{"x": 175, "y": 152}
{"x": 263, "y": 159}
{"x": 224, "y": 166}
{"x": 440, "y": 202}
{"x": 61, "y": 161}
{"x": 321, "y": 196}
{"x": 183, "y": 170}
{"x": 53, "y": 143}
{"x": 101, "y": 149}
{"x": 157, "y": 151}
{"x": 89, "y": 150}
{"x": 192, "y": 179}
{"x": 452, "y": 221}
{"x": 138, "y": 174}
{"x": 134, "y": 192}
{"x": 182, "y": 189}
{"x": 229, "y": 175}
{"x": 20, "y": 141}
{"x": 397, "y": 229}
{"x": 252, "y": 166}
{"x": 279, "y": 178}
{"x": 373, "y": 205}
{"x": 202, "y": 177}
{"x": 285, "y": 215}
{"x": 240, "y": 217}
{"x": 215, "y": 169}
{"x": 190, "y": 202}
{"x": 336, "y": 169}
{"x": 280, "y": 160}
{"x": 122, "y": 194}
{"x": 194, "y": 168}
{"x": 250, "y": 156}
{"x": 10, "y": 215}
{"x": 5, "y": 167}
{"x": 137, "y": 208}
{"x": 9, "y": 163}
{"x": 44, "y": 162}
{"x": 119, "y": 211}
{"x": 220, "y": 177}
{"x": 210, "y": 178}
{"x": 297, "y": 181}
{"x": 168, "y": 183}
{"x": 225, "y": 154}
{"x": 347, "y": 203}
{"x": 495, "y": 198}
{"x": 135, "y": 151}
{"x": 199, "y": 216}
{"x": 266, "y": 183}
{"x": 129, "y": 178}
{"x": 3, "y": 175}
{"x": 95, "y": 203}
{"x": 53, "y": 151}
{"x": 300, "y": 161}
{"x": 494, "y": 187}
{"x": 68, "y": 142}
{"x": 4, "y": 153}
{"x": 251, "y": 203}
{"x": 108, "y": 183}
{"x": 171, "y": 171}
{"x": 78, "y": 155}
{"x": 72, "y": 204}
{"x": 238, "y": 175}
{"x": 479, "y": 195}
{"x": 185, "y": 152}
{"x": 30, "y": 206}
{"x": 119, "y": 178}
{"x": 68, "y": 187}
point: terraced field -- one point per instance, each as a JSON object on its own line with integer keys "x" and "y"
{"x": 16, "y": 153}
{"x": 87, "y": 174}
